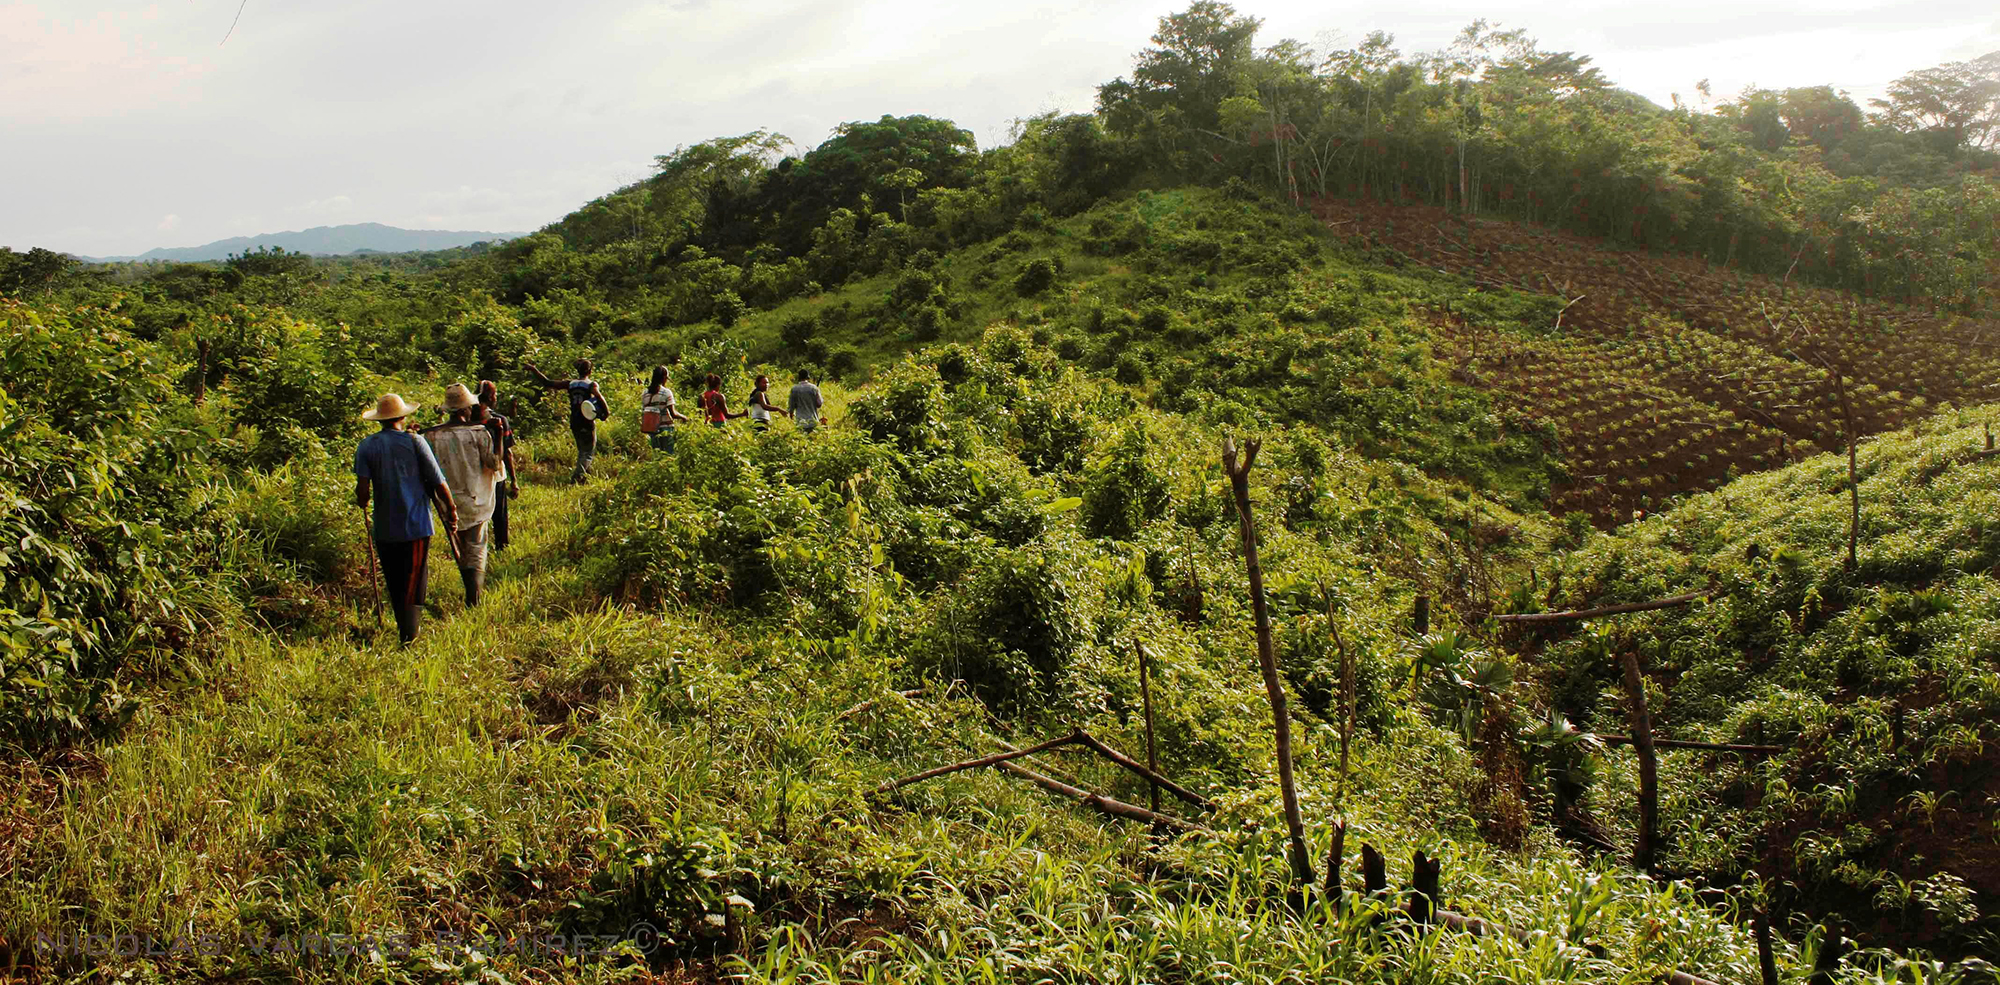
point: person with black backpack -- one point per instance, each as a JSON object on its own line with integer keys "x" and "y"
{"x": 586, "y": 407}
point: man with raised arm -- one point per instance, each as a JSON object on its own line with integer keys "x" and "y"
{"x": 586, "y": 408}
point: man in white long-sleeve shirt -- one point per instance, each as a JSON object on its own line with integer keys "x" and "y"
{"x": 469, "y": 454}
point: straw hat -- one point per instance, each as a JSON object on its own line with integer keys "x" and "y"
{"x": 457, "y": 397}
{"x": 391, "y": 407}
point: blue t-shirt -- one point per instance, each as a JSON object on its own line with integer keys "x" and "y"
{"x": 403, "y": 470}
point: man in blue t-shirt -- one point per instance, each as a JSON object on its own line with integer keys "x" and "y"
{"x": 402, "y": 475}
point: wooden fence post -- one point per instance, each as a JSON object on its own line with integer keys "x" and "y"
{"x": 1649, "y": 767}
{"x": 1239, "y": 481}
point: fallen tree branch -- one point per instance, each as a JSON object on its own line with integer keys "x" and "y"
{"x": 1139, "y": 769}
{"x": 997, "y": 759}
{"x": 1108, "y": 805}
{"x": 1624, "y": 740}
{"x": 1565, "y": 310}
{"x": 872, "y": 702}
{"x": 1609, "y": 610}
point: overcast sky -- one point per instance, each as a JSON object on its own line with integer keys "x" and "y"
{"x": 129, "y": 125}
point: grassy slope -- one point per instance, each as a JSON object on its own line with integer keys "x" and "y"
{"x": 544, "y": 762}
{"x": 1213, "y": 305}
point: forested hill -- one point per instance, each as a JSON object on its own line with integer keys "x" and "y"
{"x": 372, "y": 237}
{"x": 1576, "y": 417}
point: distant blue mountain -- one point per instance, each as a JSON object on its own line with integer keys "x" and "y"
{"x": 372, "y": 237}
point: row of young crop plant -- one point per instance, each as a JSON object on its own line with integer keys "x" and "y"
{"x": 1629, "y": 443}
{"x": 1921, "y": 357}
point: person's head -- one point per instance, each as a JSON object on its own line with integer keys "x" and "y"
{"x": 459, "y": 400}
{"x": 489, "y": 394}
{"x": 659, "y": 378}
{"x": 805, "y": 376}
{"x": 714, "y": 382}
{"x": 389, "y": 411}
{"x": 763, "y": 381}
{"x": 583, "y": 369}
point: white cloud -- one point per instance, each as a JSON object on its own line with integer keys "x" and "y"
{"x": 168, "y": 223}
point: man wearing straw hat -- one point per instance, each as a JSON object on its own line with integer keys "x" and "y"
{"x": 468, "y": 452}
{"x": 402, "y": 475}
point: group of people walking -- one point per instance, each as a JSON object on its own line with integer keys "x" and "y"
{"x": 405, "y": 474}
{"x": 464, "y": 467}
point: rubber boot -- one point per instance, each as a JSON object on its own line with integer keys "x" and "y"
{"x": 474, "y": 580}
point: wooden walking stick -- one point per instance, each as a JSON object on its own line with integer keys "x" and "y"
{"x": 368, "y": 538}
{"x": 450, "y": 532}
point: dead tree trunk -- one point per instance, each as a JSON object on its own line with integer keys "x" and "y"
{"x": 1374, "y": 871}
{"x": 1281, "y": 723}
{"x": 1334, "y": 853}
{"x": 1649, "y": 766}
{"x": 1425, "y": 874}
{"x": 200, "y": 371}
{"x": 1767, "y": 963}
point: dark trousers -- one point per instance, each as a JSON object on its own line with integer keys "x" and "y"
{"x": 586, "y": 448}
{"x": 498, "y": 534}
{"x": 406, "y": 574}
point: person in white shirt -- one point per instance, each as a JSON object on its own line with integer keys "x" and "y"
{"x": 805, "y": 402}
{"x": 658, "y": 412}
{"x": 469, "y": 454}
{"x": 761, "y": 407}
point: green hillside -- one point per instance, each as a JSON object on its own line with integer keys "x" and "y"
{"x": 1880, "y": 679}
{"x": 677, "y": 724}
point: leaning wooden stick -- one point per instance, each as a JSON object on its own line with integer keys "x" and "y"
{"x": 368, "y": 538}
{"x": 1649, "y": 765}
{"x": 1115, "y": 808}
{"x": 1146, "y": 701}
{"x": 872, "y": 702}
{"x": 1090, "y": 742}
{"x": 973, "y": 764}
{"x": 1609, "y": 610}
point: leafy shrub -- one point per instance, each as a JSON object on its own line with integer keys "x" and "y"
{"x": 99, "y": 471}
{"x": 1036, "y": 276}
{"x": 1014, "y": 631}
{"x": 798, "y": 331}
{"x": 1126, "y": 489}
